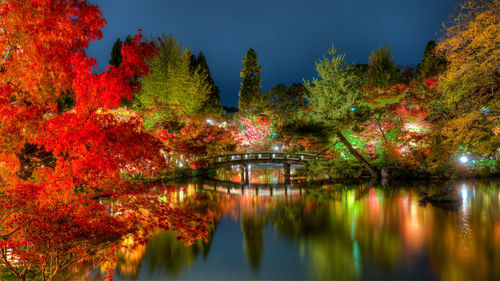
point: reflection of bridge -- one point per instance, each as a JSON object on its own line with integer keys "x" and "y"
{"x": 245, "y": 159}
{"x": 254, "y": 189}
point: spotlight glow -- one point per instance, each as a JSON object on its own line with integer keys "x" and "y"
{"x": 463, "y": 159}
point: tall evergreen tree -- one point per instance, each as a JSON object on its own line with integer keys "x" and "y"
{"x": 332, "y": 95}
{"x": 382, "y": 71}
{"x": 431, "y": 64}
{"x": 250, "y": 95}
{"x": 212, "y": 104}
{"x": 172, "y": 84}
{"x": 116, "y": 53}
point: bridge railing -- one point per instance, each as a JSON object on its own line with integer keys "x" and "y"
{"x": 273, "y": 156}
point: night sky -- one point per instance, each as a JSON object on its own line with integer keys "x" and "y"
{"x": 288, "y": 35}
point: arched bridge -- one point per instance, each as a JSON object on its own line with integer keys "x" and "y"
{"x": 266, "y": 157}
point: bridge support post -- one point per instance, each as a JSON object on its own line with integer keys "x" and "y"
{"x": 287, "y": 173}
{"x": 244, "y": 174}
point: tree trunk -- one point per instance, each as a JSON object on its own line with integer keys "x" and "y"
{"x": 358, "y": 156}
{"x": 380, "y": 129}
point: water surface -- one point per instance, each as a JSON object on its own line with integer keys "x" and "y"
{"x": 328, "y": 232}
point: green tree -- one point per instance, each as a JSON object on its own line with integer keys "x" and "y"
{"x": 297, "y": 94}
{"x": 116, "y": 51}
{"x": 431, "y": 64}
{"x": 333, "y": 95}
{"x": 284, "y": 99}
{"x": 172, "y": 86}
{"x": 276, "y": 97}
{"x": 382, "y": 71}
{"x": 250, "y": 96}
{"x": 212, "y": 104}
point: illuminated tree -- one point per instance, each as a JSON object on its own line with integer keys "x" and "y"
{"x": 333, "y": 95}
{"x": 60, "y": 162}
{"x": 256, "y": 134}
{"x": 250, "y": 95}
{"x": 431, "y": 64}
{"x": 381, "y": 70}
{"x": 172, "y": 83}
{"x": 196, "y": 139}
{"x": 212, "y": 104}
{"x": 116, "y": 51}
{"x": 470, "y": 85}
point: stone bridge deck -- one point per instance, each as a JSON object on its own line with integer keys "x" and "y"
{"x": 266, "y": 157}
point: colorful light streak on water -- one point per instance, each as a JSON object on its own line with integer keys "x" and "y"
{"x": 330, "y": 232}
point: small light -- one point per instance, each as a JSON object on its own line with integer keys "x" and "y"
{"x": 209, "y": 121}
{"x": 463, "y": 159}
{"x": 353, "y": 108}
{"x": 276, "y": 148}
{"x": 180, "y": 164}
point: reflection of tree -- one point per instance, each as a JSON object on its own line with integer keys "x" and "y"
{"x": 341, "y": 226}
{"x": 468, "y": 244}
{"x": 253, "y": 238}
{"x": 304, "y": 218}
{"x": 129, "y": 262}
{"x": 345, "y": 231}
{"x": 165, "y": 252}
{"x": 311, "y": 223}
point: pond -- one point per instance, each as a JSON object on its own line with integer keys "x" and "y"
{"x": 327, "y": 232}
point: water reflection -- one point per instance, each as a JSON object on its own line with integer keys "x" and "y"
{"x": 327, "y": 232}
{"x": 258, "y": 173}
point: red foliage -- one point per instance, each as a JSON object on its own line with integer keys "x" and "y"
{"x": 399, "y": 125}
{"x": 431, "y": 83}
{"x": 197, "y": 139}
{"x": 256, "y": 133}
{"x": 59, "y": 170}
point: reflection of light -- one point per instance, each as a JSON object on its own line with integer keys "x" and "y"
{"x": 353, "y": 108}
{"x": 276, "y": 148}
{"x": 356, "y": 255}
{"x": 464, "y": 196}
{"x": 209, "y": 121}
{"x": 180, "y": 164}
{"x": 463, "y": 159}
{"x": 351, "y": 197}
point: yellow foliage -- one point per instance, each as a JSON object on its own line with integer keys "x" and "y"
{"x": 470, "y": 84}
{"x": 469, "y": 130}
{"x": 472, "y": 49}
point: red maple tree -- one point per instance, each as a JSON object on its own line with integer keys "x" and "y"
{"x": 60, "y": 164}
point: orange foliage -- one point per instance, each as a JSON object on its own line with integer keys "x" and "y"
{"x": 60, "y": 170}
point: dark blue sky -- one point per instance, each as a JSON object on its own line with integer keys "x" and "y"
{"x": 288, "y": 35}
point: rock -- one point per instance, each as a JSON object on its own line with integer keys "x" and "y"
{"x": 447, "y": 194}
